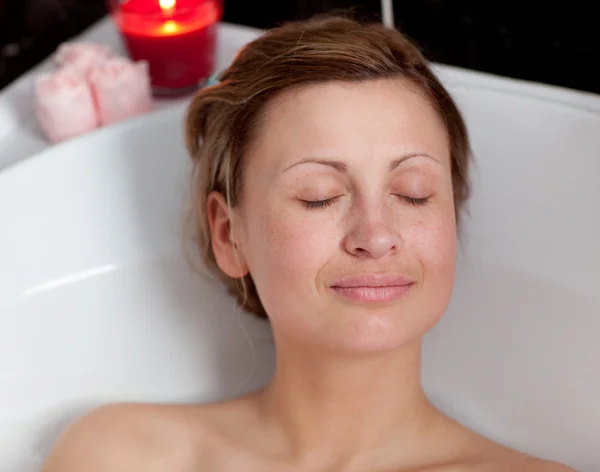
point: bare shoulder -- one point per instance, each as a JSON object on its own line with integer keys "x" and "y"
{"x": 539, "y": 465}
{"x": 125, "y": 437}
{"x": 480, "y": 454}
{"x": 503, "y": 459}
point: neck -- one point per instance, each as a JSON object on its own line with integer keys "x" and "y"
{"x": 334, "y": 406}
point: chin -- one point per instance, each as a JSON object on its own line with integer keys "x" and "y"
{"x": 371, "y": 334}
{"x": 357, "y": 328}
{"x": 368, "y": 331}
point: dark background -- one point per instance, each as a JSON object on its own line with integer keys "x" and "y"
{"x": 527, "y": 39}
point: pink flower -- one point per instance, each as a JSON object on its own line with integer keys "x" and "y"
{"x": 82, "y": 56}
{"x": 121, "y": 88}
{"x": 65, "y": 104}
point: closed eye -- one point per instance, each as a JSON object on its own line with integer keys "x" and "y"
{"x": 317, "y": 204}
{"x": 414, "y": 201}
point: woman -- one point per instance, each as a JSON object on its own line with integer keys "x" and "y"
{"x": 330, "y": 168}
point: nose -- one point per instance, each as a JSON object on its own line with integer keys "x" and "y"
{"x": 372, "y": 233}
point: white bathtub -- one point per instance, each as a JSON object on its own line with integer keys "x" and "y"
{"x": 97, "y": 303}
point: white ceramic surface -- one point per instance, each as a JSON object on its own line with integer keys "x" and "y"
{"x": 97, "y": 303}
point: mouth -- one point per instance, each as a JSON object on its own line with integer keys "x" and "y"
{"x": 375, "y": 288}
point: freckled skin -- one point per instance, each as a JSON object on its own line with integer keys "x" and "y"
{"x": 294, "y": 253}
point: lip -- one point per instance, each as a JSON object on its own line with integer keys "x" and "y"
{"x": 373, "y": 287}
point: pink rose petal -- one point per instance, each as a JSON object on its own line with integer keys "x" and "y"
{"x": 65, "y": 104}
{"x": 82, "y": 56}
{"x": 121, "y": 88}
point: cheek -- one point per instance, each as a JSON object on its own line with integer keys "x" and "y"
{"x": 286, "y": 251}
{"x": 434, "y": 244}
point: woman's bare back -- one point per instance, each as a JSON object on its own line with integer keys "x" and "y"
{"x": 227, "y": 436}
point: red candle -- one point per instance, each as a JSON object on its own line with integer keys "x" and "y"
{"x": 176, "y": 37}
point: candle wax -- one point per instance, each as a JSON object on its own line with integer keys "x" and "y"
{"x": 179, "y": 45}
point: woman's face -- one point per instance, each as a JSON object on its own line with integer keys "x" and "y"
{"x": 346, "y": 220}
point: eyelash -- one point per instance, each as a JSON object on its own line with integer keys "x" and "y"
{"x": 318, "y": 204}
{"x": 415, "y": 201}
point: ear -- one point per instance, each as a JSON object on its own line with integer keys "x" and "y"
{"x": 229, "y": 257}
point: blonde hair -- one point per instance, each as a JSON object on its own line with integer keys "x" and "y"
{"x": 222, "y": 119}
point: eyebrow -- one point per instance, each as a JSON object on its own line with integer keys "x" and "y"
{"x": 343, "y": 168}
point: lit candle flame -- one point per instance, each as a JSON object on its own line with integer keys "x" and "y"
{"x": 167, "y": 5}
{"x": 169, "y": 27}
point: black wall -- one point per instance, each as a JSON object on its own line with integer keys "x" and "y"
{"x": 527, "y": 39}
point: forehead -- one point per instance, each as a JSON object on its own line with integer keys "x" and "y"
{"x": 356, "y": 122}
